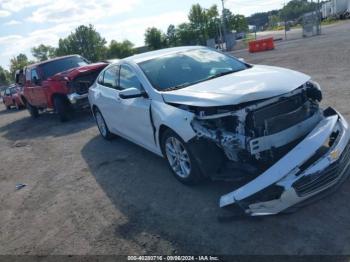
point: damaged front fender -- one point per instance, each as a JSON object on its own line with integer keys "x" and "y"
{"x": 299, "y": 179}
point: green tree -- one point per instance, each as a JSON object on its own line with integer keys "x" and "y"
{"x": 43, "y": 52}
{"x": 259, "y": 19}
{"x": 236, "y": 23}
{"x": 171, "y": 36}
{"x": 5, "y": 77}
{"x": 18, "y": 62}
{"x": 120, "y": 49}
{"x": 199, "y": 23}
{"x": 296, "y": 8}
{"x": 213, "y": 21}
{"x": 84, "y": 41}
{"x": 240, "y": 23}
{"x": 185, "y": 34}
{"x": 154, "y": 38}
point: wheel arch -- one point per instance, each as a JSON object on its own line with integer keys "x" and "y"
{"x": 162, "y": 129}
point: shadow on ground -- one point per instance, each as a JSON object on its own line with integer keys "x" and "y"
{"x": 140, "y": 185}
{"x": 11, "y": 111}
{"x": 47, "y": 124}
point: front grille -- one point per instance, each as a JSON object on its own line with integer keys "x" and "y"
{"x": 311, "y": 183}
{"x": 82, "y": 87}
{"x": 279, "y": 116}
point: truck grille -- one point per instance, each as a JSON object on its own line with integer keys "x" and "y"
{"x": 82, "y": 87}
{"x": 309, "y": 184}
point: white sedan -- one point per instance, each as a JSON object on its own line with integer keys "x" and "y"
{"x": 213, "y": 116}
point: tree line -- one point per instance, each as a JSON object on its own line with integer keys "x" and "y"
{"x": 292, "y": 11}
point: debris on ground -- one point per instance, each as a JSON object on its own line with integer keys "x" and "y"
{"x": 20, "y": 186}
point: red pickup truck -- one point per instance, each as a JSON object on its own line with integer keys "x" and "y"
{"x": 61, "y": 84}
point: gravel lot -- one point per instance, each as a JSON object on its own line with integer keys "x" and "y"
{"x": 85, "y": 195}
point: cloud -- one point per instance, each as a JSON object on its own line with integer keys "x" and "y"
{"x": 14, "y": 44}
{"x": 134, "y": 29}
{"x": 18, "y": 5}
{"x": 4, "y": 13}
{"x": 8, "y": 40}
{"x": 13, "y": 22}
{"x": 86, "y": 11}
{"x": 253, "y": 6}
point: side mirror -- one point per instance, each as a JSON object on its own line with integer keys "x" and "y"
{"x": 132, "y": 92}
{"x": 241, "y": 59}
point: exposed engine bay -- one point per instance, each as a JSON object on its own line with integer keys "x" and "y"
{"x": 261, "y": 130}
{"x": 82, "y": 82}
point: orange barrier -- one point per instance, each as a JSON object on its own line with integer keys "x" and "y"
{"x": 261, "y": 45}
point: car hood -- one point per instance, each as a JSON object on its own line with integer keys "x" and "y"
{"x": 74, "y": 72}
{"x": 258, "y": 82}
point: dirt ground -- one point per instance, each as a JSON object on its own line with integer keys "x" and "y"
{"x": 85, "y": 195}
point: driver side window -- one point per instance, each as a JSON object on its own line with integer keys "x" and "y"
{"x": 34, "y": 77}
{"x": 128, "y": 79}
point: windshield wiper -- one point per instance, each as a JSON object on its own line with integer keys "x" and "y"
{"x": 177, "y": 87}
{"x": 222, "y": 74}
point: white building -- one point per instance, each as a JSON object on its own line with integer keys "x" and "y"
{"x": 335, "y": 8}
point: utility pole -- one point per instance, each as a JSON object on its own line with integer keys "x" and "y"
{"x": 223, "y": 21}
{"x": 319, "y": 16}
{"x": 285, "y": 23}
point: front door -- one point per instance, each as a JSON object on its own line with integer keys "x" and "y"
{"x": 134, "y": 115}
{"x": 38, "y": 95}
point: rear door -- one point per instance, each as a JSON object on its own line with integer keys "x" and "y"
{"x": 107, "y": 98}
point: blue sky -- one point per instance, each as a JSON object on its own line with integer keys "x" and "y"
{"x": 28, "y": 23}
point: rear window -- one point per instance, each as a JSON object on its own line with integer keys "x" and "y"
{"x": 51, "y": 68}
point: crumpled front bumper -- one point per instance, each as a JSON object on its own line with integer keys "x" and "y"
{"x": 78, "y": 100}
{"x": 301, "y": 174}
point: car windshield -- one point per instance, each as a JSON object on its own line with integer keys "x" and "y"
{"x": 186, "y": 68}
{"x": 51, "y": 68}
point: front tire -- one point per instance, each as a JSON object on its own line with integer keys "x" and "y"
{"x": 180, "y": 158}
{"x": 33, "y": 111}
{"x": 102, "y": 126}
{"x": 61, "y": 108}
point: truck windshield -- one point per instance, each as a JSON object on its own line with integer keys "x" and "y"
{"x": 51, "y": 68}
{"x": 182, "y": 69}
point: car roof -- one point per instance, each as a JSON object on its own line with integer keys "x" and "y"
{"x": 158, "y": 53}
{"x": 50, "y": 60}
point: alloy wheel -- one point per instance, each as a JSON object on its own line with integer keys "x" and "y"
{"x": 178, "y": 157}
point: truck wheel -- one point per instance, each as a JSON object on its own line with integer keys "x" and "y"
{"x": 61, "y": 108}
{"x": 8, "y": 107}
{"x": 33, "y": 111}
{"x": 181, "y": 160}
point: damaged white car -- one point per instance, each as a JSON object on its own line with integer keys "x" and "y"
{"x": 213, "y": 116}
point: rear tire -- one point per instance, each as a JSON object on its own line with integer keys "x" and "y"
{"x": 61, "y": 108}
{"x": 8, "y": 107}
{"x": 181, "y": 159}
{"x": 33, "y": 111}
{"x": 102, "y": 126}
